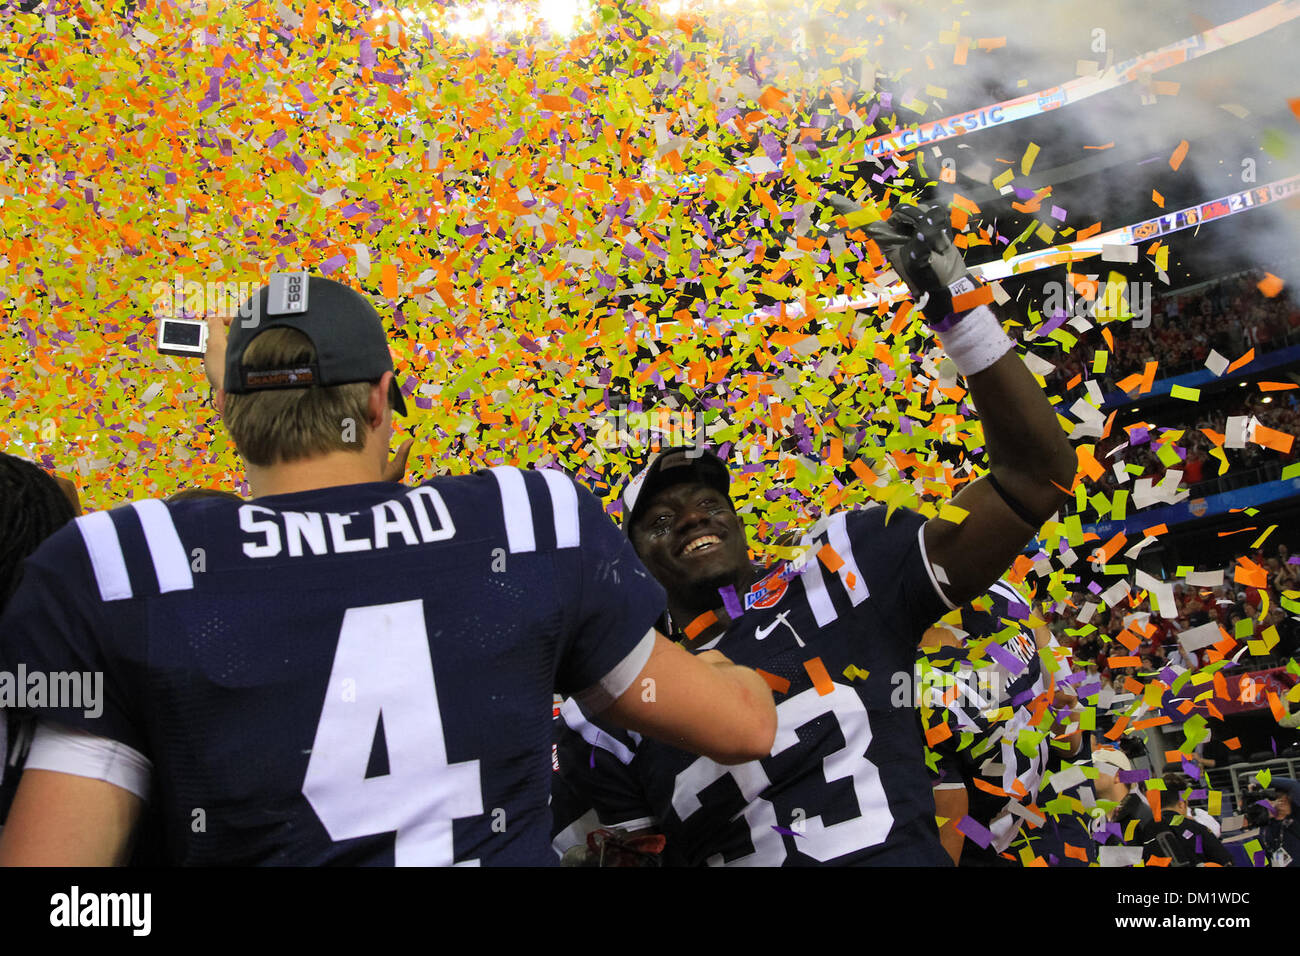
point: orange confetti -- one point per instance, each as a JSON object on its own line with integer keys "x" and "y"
{"x": 1270, "y": 285}
{"x": 1109, "y": 549}
{"x": 1271, "y": 438}
{"x": 939, "y": 733}
{"x": 697, "y": 626}
{"x": 1180, "y": 153}
{"x": 970, "y": 300}
{"x": 829, "y": 557}
{"x": 821, "y": 680}
{"x": 1244, "y": 360}
{"x": 1088, "y": 462}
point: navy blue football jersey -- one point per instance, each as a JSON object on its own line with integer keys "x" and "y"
{"x": 349, "y": 675}
{"x": 992, "y": 710}
{"x": 846, "y": 782}
{"x": 13, "y": 738}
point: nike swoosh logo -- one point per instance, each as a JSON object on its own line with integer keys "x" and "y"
{"x": 762, "y": 632}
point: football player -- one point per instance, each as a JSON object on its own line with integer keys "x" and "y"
{"x": 343, "y": 670}
{"x": 846, "y": 780}
{"x": 991, "y": 748}
{"x": 33, "y": 505}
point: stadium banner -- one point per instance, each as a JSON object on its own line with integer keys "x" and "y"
{"x": 1149, "y": 229}
{"x": 1043, "y": 101}
{"x": 1249, "y": 690}
{"x": 1190, "y": 510}
{"x": 1071, "y": 252}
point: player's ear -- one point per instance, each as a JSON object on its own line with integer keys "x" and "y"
{"x": 220, "y": 400}
{"x": 378, "y": 401}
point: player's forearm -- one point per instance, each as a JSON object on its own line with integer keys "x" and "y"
{"x": 1028, "y": 451}
{"x": 704, "y": 704}
{"x": 60, "y": 819}
{"x": 756, "y": 697}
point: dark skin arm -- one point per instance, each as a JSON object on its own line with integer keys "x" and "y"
{"x": 1032, "y": 460}
{"x": 1028, "y": 452}
{"x": 952, "y": 804}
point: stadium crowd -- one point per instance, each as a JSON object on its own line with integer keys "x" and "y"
{"x": 1137, "y": 447}
{"x": 1229, "y": 316}
{"x": 1225, "y": 605}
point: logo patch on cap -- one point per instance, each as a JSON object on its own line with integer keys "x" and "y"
{"x": 288, "y": 293}
{"x": 280, "y": 378}
{"x": 633, "y": 490}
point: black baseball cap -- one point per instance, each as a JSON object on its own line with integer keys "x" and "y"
{"x": 349, "y": 337}
{"x": 670, "y": 467}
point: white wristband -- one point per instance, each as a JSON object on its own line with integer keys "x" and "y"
{"x": 976, "y": 342}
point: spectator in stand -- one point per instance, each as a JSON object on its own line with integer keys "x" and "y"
{"x": 1130, "y": 814}
{"x": 1272, "y": 810}
{"x": 1177, "y": 835}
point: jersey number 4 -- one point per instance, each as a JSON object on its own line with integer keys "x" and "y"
{"x": 382, "y": 668}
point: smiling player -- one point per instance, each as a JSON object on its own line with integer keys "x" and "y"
{"x": 846, "y": 781}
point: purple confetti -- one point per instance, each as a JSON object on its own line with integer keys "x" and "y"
{"x": 731, "y": 602}
{"x": 1052, "y": 324}
{"x": 333, "y": 264}
{"x": 975, "y": 831}
{"x": 1012, "y": 664}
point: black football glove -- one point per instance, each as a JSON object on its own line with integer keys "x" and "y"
{"x": 917, "y": 243}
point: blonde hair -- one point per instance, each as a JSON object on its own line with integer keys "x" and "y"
{"x": 276, "y": 426}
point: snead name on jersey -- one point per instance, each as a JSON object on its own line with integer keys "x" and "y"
{"x": 418, "y": 517}
{"x": 353, "y": 675}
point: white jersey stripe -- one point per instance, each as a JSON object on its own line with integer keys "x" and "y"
{"x": 515, "y": 508}
{"x": 80, "y": 753}
{"x": 106, "y": 556}
{"x": 170, "y": 561}
{"x": 815, "y": 586}
{"x": 929, "y": 569}
{"x": 1007, "y": 591}
{"x": 837, "y": 534}
{"x": 576, "y": 721}
{"x": 564, "y": 501}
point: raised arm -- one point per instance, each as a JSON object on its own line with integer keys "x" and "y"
{"x": 1032, "y": 465}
